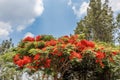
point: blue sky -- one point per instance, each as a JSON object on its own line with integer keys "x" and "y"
{"x": 32, "y": 17}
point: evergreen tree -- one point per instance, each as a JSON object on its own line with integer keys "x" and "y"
{"x": 6, "y": 45}
{"x": 118, "y": 29}
{"x": 98, "y": 23}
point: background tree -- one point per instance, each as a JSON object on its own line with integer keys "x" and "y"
{"x": 6, "y": 45}
{"x": 118, "y": 29}
{"x": 6, "y": 55}
{"x": 98, "y": 24}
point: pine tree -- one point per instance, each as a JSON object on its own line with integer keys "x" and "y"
{"x": 6, "y": 45}
{"x": 98, "y": 23}
{"x": 118, "y": 28}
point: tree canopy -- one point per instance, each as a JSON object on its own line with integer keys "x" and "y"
{"x": 98, "y": 24}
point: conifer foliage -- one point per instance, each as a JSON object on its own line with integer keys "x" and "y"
{"x": 98, "y": 24}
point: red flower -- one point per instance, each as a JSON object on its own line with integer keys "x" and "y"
{"x": 38, "y": 38}
{"x": 59, "y": 53}
{"x": 80, "y": 46}
{"x": 111, "y": 59}
{"x": 47, "y": 63}
{"x": 88, "y": 43}
{"x": 63, "y": 46}
{"x": 31, "y": 67}
{"x": 26, "y": 60}
{"x": 51, "y": 43}
{"x": 63, "y": 39}
{"x": 101, "y": 64}
{"x": 62, "y": 59}
{"x": 37, "y": 57}
{"x": 75, "y": 55}
{"x": 73, "y": 39}
{"x": 114, "y": 53}
{"x": 20, "y": 63}
{"x": 91, "y": 44}
{"x": 60, "y": 40}
{"x": 37, "y": 62}
{"x": 97, "y": 61}
{"x": 65, "y": 36}
{"x": 84, "y": 44}
{"x": 44, "y": 49}
{"x": 55, "y": 51}
{"x": 100, "y": 55}
{"x": 28, "y": 38}
{"x": 16, "y": 57}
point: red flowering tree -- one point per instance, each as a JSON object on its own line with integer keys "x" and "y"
{"x": 55, "y": 56}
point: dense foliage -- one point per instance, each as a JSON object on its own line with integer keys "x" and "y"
{"x": 56, "y": 57}
{"x": 6, "y": 45}
{"x": 7, "y": 68}
{"x": 99, "y": 23}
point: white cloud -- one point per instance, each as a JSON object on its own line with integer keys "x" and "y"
{"x": 70, "y": 2}
{"x": 115, "y": 4}
{"x": 38, "y": 7}
{"x": 5, "y": 29}
{"x": 82, "y": 9}
{"x": 29, "y": 34}
{"x": 78, "y": 11}
{"x": 20, "y": 28}
{"x": 19, "y": 13}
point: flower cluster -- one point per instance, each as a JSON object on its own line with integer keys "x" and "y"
{"x": 45, "y": 52}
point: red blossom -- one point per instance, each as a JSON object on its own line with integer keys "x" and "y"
{"x": 84, "y": 44}
{"x": 72, "y": 41}
{"x": 101, "y": 64}
{"x": 100, "y": 55}
{"x": 47, "y": 63}
{"x": 28, "y": 38}
{"x": 111, "y": 59}
{"x": 20, "y": 63}
{"x": 55, "y": 51}
{"x": 60, "y": 40}
{"x": 27, "y": 59}
{"x": 62, "y": 59}
{"x": 66, "y": 36}
{"x": 59, "y": 53}
{"x": 37, "y": 62}
{"x": 91, "y": 44}
{"x": 75, "y": 37}
{"x": 75, "y": 55}
{"x": 31, "y": 67}
{"x": 114, "y": 53}
{"x": 80, "y": 46}
{"x": 51, "y": 43}
{"x": 24, "y": 61}
{"x": 97, "y": 61}
{"x": 37, "y": 38}
{"x": 44, "y": 49}
{"x": 16, "y": 57}
{"x": 37, "y": 57}
{"x": 88, "y": 43}
{"x": 63, "y": 46}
